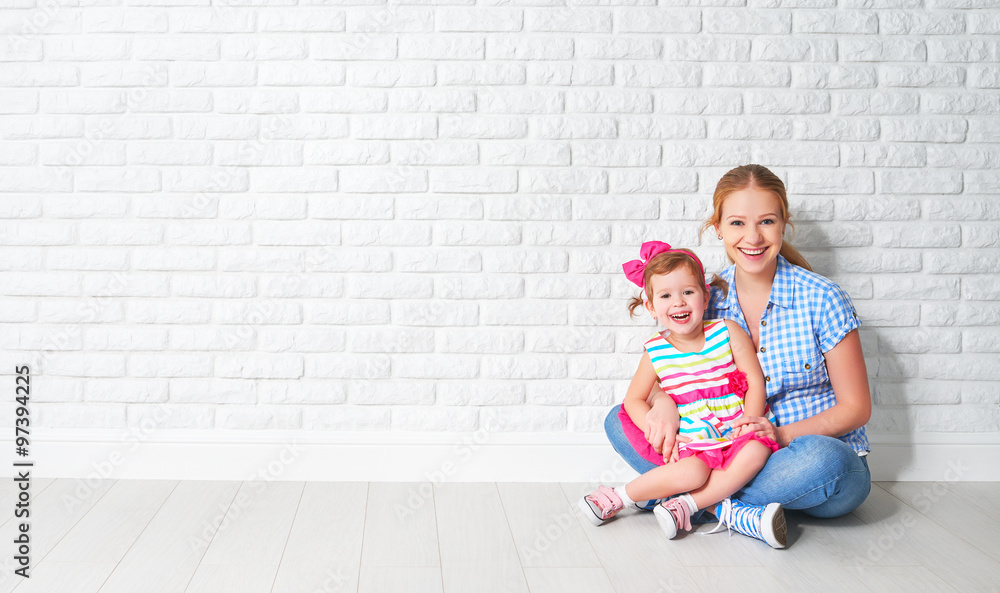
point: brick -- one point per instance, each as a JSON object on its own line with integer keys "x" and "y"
{"x": 391, "y": 392}
{"x": 166, "y": 416}
{"x": 479, "y": 181}
{"x": 143, "y": 391}
{"x": 963, "y": 157}
{"x": 980, "y": 235}
{"x": 497, "y": 100}
{"x": 884, "y": 155}
{"x": 116, "y": 20}
{"x": 442, "y": 48}
{"x": 434, "y": 367}
{"x": 345, "y": 418}
{"x": 619, "y": 49}
{"x": 981, "y": 339}
{"x": 392, "y": 75}
{"x": 301, "y": 285}
{"x": 524, "y": 312}
{"x": 788, "y": 103}
{"x": 221, "y": 339}
{"x": 503, "y": 48}
{"x": 883, "y": 50}
{"x": 889, "y": 314}
{"x": 528, "y": 207}
{"x": 793, "y": 49}
{"x": 169, "y": 365}
{"x": 832, "y": 234}
{"x": 570, "y": 394}
{"x": 492, "y": 19}
{"x": 480, "y": 394}
{"x": 303, "y": 19}
{"x": 986, "y": 77}
{"x": 371, "y": 180}
{"x": 967, "y": 366}
{"x": 657, "y": 20}
{"x": 37, "y": 180}
{"x": 354, "y": 48}
{"x": 213, "y": 20}
{"x": 259, "y": 366}
{"x": 88, "y": 259}
{"x": 460, "y": 233}
{"x": 168, "y": 259}
{"x": 701, "y": 154}
{"x": 961, "y": 314}
{"x": 571, "y": 182}
{"x": 608, "y": 101}
{"x": 836, "y": 21}
{"x": 764, "y": 22}
{"x": 572, "y": 340}
{"x": 27, "y": 128}
{"x": 663, "y": 181}
{"x": 823, "y": 76}
{"x": 643, "y": 75}
{"x": 51, "y": 338}
{"x": 406, "y": 234}
{"x": 90, "y": 310}
{"x": 480, "y": 341}
{"x": 347, "y": 153}
{"x": 526, "y": 261}
{"x": 925, "y": 129}
{"x": 919, "y": 235}
{"x": 908, "y": 394}
{"x": 23, "y": 259}
{"x": 696, "y": 49}
{"x": 390, "y": 341}
{"x": 169, "y": 153}
{"x": 262, "y": 48}
{"x": 491, "y": 127}
{"x": 525, "y": 419}
{"x": 963, "y": 50}
{"x": 595, "y": 367}
{"x": 435, "y": 314}
{"x": 577, "y": 127}
{"x": 571, "y": 20}
{"x": 824, "y": 182}
{"x": 437, "y": 418}
{"x": 980, "y": 393}
{"x": 18, "y": 310}
{"x": 920, "y": 182}
{"x": 555, "y": 74}
{"x": 19, "y": 102}
{"x": 876, "y": 103}
{"x": 478, "y": 287}
{"x": 534, "y": 154}
{"x": 521, "y": 367}
{"x": 300, "y": 340}
{"x": 729, "y": 75}
{"x": 411, "y": 207}
{"x": 616, "y": 154}
{"x": 749, "y": 128}
{"x": 796, "y": 154}
{"x": 924, "y": 76}
{"x": 257, "y": 418}
{"x": 962, "y": 208}
{"x": 969, "y": 104}
{"x": 966, "y": 261}
{"x": 87, "y": 415}
{"x": 72, "y": 154}
{"x": 36, "y": 233}
{"x": 437, "y": 261}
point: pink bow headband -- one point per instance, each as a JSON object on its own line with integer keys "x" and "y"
{"x": 635, "y": 270}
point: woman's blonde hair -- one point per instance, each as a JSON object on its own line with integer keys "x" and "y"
{"x": 762, "y": 178}
{"x": 665, "y": 263}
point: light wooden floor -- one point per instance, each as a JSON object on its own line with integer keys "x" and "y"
{"x": 293, "y": 537}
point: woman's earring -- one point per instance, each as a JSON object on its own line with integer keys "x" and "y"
{"x": 720, "y": 237}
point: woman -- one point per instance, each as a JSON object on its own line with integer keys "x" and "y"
{"x": 804, "y": 330}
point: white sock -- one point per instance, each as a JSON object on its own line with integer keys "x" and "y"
{"x": 628, "y": 502}
{"x": 690, "y": 502}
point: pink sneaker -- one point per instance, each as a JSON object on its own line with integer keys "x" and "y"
{"x": 602, "y": 505}
{"x": 672, "y": 516}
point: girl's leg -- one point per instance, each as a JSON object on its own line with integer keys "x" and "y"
{"x": 723, "y": 483}
{"x": 667, "y": 480}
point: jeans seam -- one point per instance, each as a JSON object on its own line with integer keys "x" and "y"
{"x": 824, "y": 484}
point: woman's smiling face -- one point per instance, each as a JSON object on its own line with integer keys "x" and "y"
{"x": 751, "y": 227}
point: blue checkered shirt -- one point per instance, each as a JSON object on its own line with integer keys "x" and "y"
{"x": 806, "y": 315}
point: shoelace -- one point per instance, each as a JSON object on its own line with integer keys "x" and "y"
{"x": 728, "y": 517}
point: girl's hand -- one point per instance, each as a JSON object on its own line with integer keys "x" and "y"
{"x": 674, "y": 450}
{"x": 758, "y": 424}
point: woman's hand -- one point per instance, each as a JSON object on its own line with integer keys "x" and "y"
{"x": 662, "y": 423}
{"x": 673, "y": 454}
{"x": 759, "y": 425}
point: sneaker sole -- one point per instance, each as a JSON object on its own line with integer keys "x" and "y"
{"x": 774, "y": 517}
{"x": 666, "y": 521}
{"x": 589, "y": 512}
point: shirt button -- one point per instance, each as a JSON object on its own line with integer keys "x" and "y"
{"x": 768, "y": 378}
{"x": 761, "y": 348}
{"x": 808, "y": 367}
{"x": 762, "y": 322}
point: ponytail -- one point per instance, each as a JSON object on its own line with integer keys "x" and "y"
{"x": 793, "y": 256}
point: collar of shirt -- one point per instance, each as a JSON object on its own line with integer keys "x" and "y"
{"x": 782, "y": 288}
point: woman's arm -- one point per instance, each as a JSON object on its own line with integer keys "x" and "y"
{"x": 662, "y": 422}
{"x": 845, "y": 365}
{"x": 746, "y": 361}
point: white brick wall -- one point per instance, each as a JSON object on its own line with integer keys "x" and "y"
{"x": 342, "y": 216}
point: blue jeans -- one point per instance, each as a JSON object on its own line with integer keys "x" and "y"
{"x": 818, "y": 475}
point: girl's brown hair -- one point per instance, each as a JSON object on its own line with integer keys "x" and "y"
{"x": 762, "y": 178}
{"x": 665, "y": 263}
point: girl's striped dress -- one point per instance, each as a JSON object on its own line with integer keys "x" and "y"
{"x": 708, "y": 390}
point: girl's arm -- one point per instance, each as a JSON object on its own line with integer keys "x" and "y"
{"x": 845, "y": 364}
{"x": 746, "y": 360}
{"x": 639, "y": 391}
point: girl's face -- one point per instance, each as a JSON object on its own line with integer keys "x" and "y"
{"x": 751, "y": 226}
{"x": 679, "y": 301}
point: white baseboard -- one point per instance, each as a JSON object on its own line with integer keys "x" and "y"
{"x": 431, "y": 457}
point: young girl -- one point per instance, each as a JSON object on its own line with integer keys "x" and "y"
{"x": 710, "y": 371}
